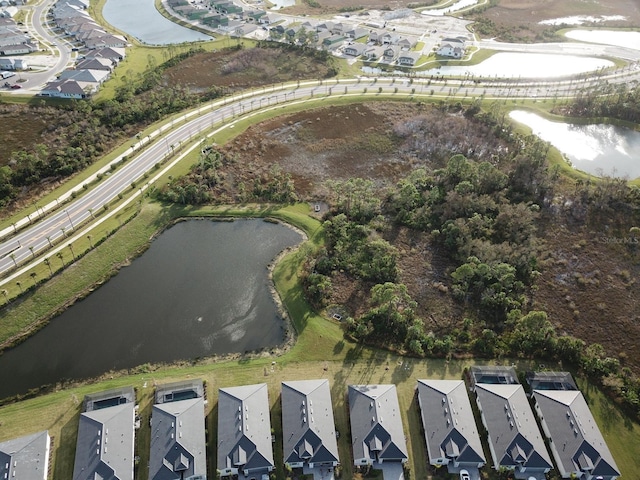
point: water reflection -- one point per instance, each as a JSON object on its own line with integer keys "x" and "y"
{"x": 607, "y": 37}
{"x": 278, "y": 4}
{"x": 580, "y": 19}
{"x": 459, "y": 5}
{"x": 597, "y": 149}
{"x": 518, "y": 65}
{"x": 201, "y": 289}
{"x": 141, "y": 19}
{"x": 527, "y": 65}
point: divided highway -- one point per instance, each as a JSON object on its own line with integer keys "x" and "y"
{"x": 53, "y": 222}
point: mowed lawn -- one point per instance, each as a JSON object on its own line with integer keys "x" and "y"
{"x": 320, "y": 351}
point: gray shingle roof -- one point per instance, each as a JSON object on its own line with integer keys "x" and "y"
{"x": 513, "y": 432}
{"x": 105, "y": 437}
{"x": 25, "y": 458}
{"x": 376, "y": 425}
{"x": 577, "y": 440}
{"x": 449, "y": 427}
{"x": 177, "y": 436}
{"x": 244, "y": 428}
{"x": 308, "y": 427}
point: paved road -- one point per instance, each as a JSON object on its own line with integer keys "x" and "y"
{"x": 54, "y": 222}
{"x": 53, "y": 46}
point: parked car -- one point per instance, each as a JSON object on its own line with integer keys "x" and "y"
{"x": 464, "y": 475}
{"x": 15, "y": 86}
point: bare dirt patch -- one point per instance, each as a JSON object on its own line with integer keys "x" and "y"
{"x": 589, "y": 288}
{"x": 246, "y": 68}
{"x": 330, "y": 143}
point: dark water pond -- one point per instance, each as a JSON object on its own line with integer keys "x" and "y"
{"x": 201, "y": 289}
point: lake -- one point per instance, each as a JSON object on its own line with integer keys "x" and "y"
{"x": 140, "y": 19}
{"x": 596, "y": 149}
{"x": 526, "y": 65}
{"x": 617, "y": 38}
{"x": 459, "y": 5}
{"x": 516, "y": 65}
{"x": 201, "y": 289}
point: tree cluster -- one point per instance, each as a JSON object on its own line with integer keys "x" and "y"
{"x": 467, "y": 208}
{"x": 620, "y": 101}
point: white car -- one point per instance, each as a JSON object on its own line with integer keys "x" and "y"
{"x": 464, "y": 475}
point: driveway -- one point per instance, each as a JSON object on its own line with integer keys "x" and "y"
{"x": 474, "y": 473}
{"x": 391, "y": 471}
{"x": 324, "y": 473}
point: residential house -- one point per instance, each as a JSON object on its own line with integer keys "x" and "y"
{"x": 308, "y": 428}
{"x": 321, "y": 36}
{"x": 407, "y": 43}
{"x": 76, "y": 28}
{"x": 12, "y": 36}
{"x": 408, "y": 59}
{"x": 177, "y": 432}
{"x": 111, "y": 41}
{"x": 374, "y": 53}
{"x": 20, "y": 49}
{"x": 268, "y": 19}
{"x": 377, "y": 435}
{"x": 391, "y": 52}
{"x": 451, "y": 47}
{"x": 244, "y": 431}
{"x": 278, "y": 29}
{"x": 105, "y": 445}
{"x": 389, "y": 38}
{"x": 332, "y": 42}
{"x": 95, "y": 64}
{"x": 215, "y": 20}
{"x": 114, "y": 54}
{"x": 245, "y": 29}
{"x": 67, "y": 89}
{"x": 228, "y": 8}
{"x": 90, "y": 35}
{"x": 514, "y": 439}
{"x": 375, "y": 35}
{"x": 328, "y": 26}
{"x": 9, "y": 12}
{"x": 26, "y": 458}
{"x": 88, "y": 76}
{"x": 253, "y": 15}
{"x": 356, "y": 33}
{"x": 449, "y": 426}
{"x": 230, "y": 26}
{"x": 291, "y": 32}
{"x": 191, "y": 12}
{"x": 354, "y": 49}
{"x": 575, "y": 440}
{"x": 13, "y": 64}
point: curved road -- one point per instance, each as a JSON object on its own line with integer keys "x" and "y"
{"x": 61, "y": 219}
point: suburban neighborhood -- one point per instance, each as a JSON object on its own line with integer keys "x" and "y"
{"x": 417, "y": 205}
{"x": 400, "y": 38}
{"x": 180, "y": 447}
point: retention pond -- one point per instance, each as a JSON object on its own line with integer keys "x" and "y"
{"x": 201, "y": 289}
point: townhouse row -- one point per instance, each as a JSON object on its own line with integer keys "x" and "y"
{"x": 244, "y": 445}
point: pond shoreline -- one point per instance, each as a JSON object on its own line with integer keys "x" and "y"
{"x": 288, "y": 332}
